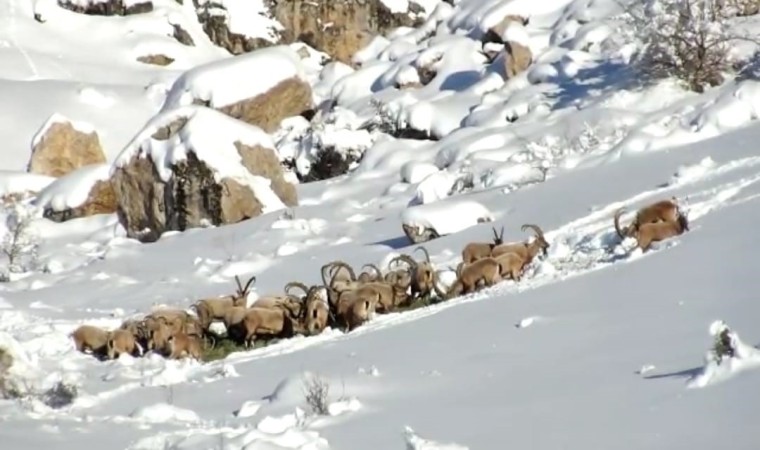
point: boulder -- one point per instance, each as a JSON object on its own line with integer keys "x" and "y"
{"x": 288, "y": 98}
{"x": 61, "y": 147}
{"x": 107, "y": 8}
{"x": 227, "y": 87}
{"x": 517, "y": 58}
{"x": 84, "y": 192}
{"x": 229, "y": 175}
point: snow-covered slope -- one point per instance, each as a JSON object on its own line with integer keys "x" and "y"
{"x": 599, "y": 346}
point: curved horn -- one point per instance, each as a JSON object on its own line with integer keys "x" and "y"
{"x": 424, "y": 250}
{"x": 405, "y": 258}
{"x": 621, "y": 233}
{"x": 247, "y": 287}
{"x": 460, "y": 266}
{"x": 535, "y": 229}
{"x": 324, "y": 275}
{"x": 375, "y": 268}
{"x": 239, "y": 285}
{"x": 296, "y": 284}
{"x": 344, "y": 265}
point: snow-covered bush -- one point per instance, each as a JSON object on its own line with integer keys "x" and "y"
{"x": 20, "y": 243}
{"x": 687, "y": 39}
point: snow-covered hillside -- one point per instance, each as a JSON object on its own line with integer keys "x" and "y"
{"x": 598, "y": 346}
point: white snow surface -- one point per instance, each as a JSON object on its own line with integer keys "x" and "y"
{"x": 72, "y": 189}
{"x": 598, "y": 346}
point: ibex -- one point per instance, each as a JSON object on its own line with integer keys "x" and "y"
{"x": 648, "y": 233}
{"x": 525, "y": 250}
{"x": 212, "y": 309}
{"x": 315, "y": 311}
{"x": 661, "y": 211}
{"x": 356, "y": 307}
{"x": 486, "y": 272}
{"x": 375, "y": 275}
{"x": 265, "y": 321}
{"x": 181, "y": 345}
{"x": 122, "y": 341}
{"x": 422, "y": 274}
{"x": 92, "y": 338}
{"x": 478, "y": 250}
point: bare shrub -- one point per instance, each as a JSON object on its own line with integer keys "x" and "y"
{"x": 686, "y": 39}
{"x": 316, "y": 394}
{"x": 60, "y": 395}
{"x": 20, "y": 243}
{"x": 329, "y": 163}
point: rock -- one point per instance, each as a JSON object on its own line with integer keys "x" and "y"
{"x": 352, "y": 23}
{"x": 100, "y": 200}
{"x": 216, "y": 27}
{"x": 182, "y": 36}
{"x": 156, "y": 60}
{"x": 62, "y": 148}
{"x": 108, "y": 8}
{"x": 517, "y": 58}
{"x": 193, "y": 194}
{"x": 288, "y": 98}
{"x": 264, "y": 162}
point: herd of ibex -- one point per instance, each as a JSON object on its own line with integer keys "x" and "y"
{"x": 345, "y": 300}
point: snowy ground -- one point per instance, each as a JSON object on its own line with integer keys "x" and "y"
{"x": 598, "y": 347}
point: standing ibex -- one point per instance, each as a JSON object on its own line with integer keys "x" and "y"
{"x": 650, "y": 232}
{"x": 485, "y": 272}
{"x": 478, "y": 250}
{"x": 211, "y": 309}
{"x": 661, "y": 211}
{"x": 422, "y": 274}
{"x": 525, "y": 250}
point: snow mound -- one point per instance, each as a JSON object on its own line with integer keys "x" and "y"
{"x": 72, "y": 190}
{"x": 12, "y": 182}
{"x": 164, "y": 413}
{"x": 211, "y": 135}
{"x": 415, "y": 442}
{"x": 447, "y": 217}
{"x": 719, "y": 368}
{"x": 228, "y": 81}
{"x": 690, "y": 173}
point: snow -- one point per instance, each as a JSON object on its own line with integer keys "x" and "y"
{"x": 82, "y": 127}
{"x": 72, "y": 189}
{"x": 598, "y": 346}
{"x": 228, "y": 81}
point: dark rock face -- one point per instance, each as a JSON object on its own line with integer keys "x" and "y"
{"x": 101, "y": 200}
{"x": 109, "y": 8}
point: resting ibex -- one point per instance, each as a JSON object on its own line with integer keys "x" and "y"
{"x": 484, "y": 272}
{"x": 122, "y": 341}
{"x": 525, "y": 250}
{"x": 92, "y": 338}
{"x": 211, "y": 309}
{"x": 661, "y": 211}
{"x": 478, "y": 250}
{"x": 648, "y": 233}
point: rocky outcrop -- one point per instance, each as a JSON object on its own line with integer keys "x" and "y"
{"x": 100, "y": 200}
{"x": 63, "y": 148}
{"x": 338, "y": 28}
{"x": 195, "y": 194}
{"x": 107, "y": 8}
{"x": 182, "y": 36}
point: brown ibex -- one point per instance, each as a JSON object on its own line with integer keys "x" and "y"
{"x": 485, "y": 272}
{"x": 661, "y": 211}
{"x": 525, "y": 250}
{"x": 478, "y": 250}
{"x": 648, "y": 233}
{"x": 211, "y": 309}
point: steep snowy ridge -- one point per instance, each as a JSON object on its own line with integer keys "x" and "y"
{"x": 598, "y": 346}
